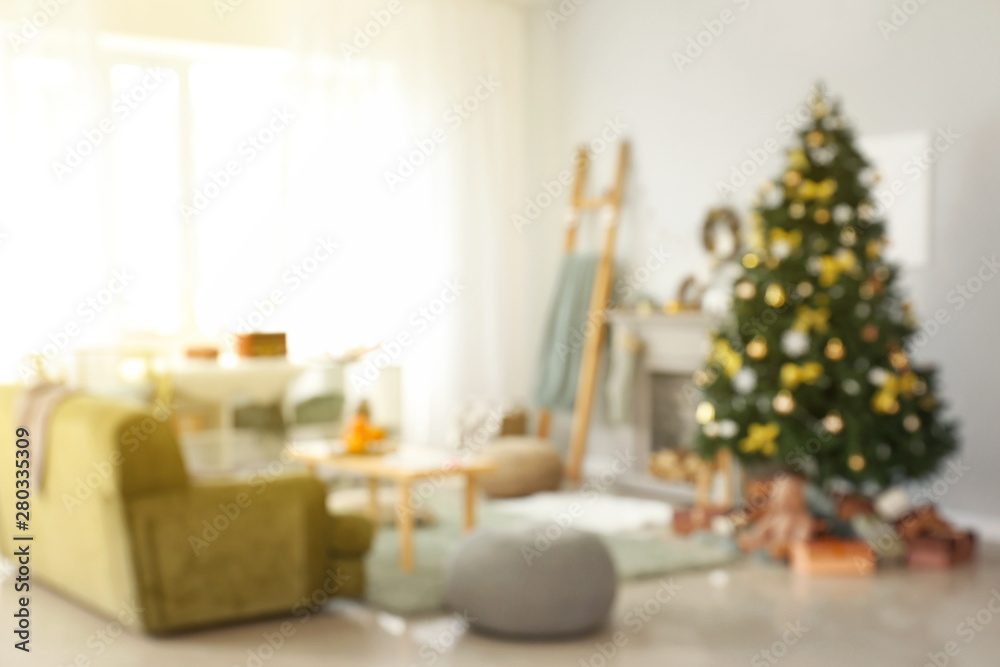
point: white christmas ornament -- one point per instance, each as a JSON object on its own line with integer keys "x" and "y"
{"x": 728, "y": 428}
{"x": 745, "y": 380}
{"x": 794, "y": 343}
{"x": 877, "y": 376}
{"x": 851, "y": 387}
{"x": 842, "y": 213}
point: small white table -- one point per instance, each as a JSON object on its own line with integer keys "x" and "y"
{"x": 261, "y": 380}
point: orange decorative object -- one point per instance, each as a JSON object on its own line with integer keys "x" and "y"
{"x": 833, "y": 556}
{"x": 260, "y": 345}
{"x": 360, "y": 432}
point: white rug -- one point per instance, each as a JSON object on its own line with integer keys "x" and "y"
{"x": 598, "y": 513}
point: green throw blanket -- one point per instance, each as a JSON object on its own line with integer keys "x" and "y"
{"x": 565, "y": 331}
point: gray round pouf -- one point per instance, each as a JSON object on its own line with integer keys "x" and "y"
{"x": 539, "y": 582}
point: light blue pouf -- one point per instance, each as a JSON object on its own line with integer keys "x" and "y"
{"x": 542, "y": 582}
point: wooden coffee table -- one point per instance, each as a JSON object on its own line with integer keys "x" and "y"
{"x": 404, "y": 474}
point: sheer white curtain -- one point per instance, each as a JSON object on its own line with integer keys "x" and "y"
{"x": 343, "y": 182}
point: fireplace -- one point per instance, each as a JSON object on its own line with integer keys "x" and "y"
{"x": 662, "y": 428}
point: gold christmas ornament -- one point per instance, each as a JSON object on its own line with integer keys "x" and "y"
{"x": 822, "y": 190}
{"x": 793, "y": 375}
{"x": 704, "y": 413}
{"x": 792, "y": 178}
{"x": 726, "y": 358}
{"x": 911, "y": 423}
{"x": 885, "y": 402}
{"x": 856, "y": 462}
{"x": 833, "y": 423}
{"x": 899, "y": 360}
{"x": 797, "y": 209}
{"x": 814, "y": 139}
{"x": 804, "y": 289}
{"x": 834, "y": 350}
{"x": 873, "y": 250}
{"x": 848, "y": 236}
{"x": 773, "y": 262}
{"x": 750, "y": 260}
{"x": 831, "y": 266}
{"x": 792, "y": 239}
{"x": 797, "y": 159}
{"x": 757, "y": 349}
{"x": 761, "y": 438}
{"x": 783, "y": 402}
{"x": 745, "y": 290}
{"x": 812, "y": 319}
{"x": 822, "y": 216}
{"x": 774, "y": 296}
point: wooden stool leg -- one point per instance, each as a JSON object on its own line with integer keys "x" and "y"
{"x": 373, "y": 507}
{"x": 471, "y": 489}
{"x": 404, "y": 522}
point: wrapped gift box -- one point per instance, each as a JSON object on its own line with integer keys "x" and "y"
{"x": 690, "y": 519}
{"x": 833, "y": 556}
{"x": 942, "y": 551}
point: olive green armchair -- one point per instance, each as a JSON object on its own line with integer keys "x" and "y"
{"x": 119, "y": 527}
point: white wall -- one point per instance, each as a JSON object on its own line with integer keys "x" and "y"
{"x": 613, "y": 58}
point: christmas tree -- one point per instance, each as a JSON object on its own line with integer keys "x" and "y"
{"x": 811, "y": 372}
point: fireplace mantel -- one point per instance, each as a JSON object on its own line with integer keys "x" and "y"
{"x": 672, "y": 344}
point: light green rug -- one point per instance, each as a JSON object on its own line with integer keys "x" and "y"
{"x": 637, "y": 555}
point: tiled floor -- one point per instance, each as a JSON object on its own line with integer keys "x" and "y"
{"x": 750, "y": 614}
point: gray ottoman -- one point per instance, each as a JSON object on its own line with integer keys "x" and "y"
{"x": 540, "y": 582}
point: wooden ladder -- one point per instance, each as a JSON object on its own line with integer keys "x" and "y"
{"x": 610, "y": 205}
